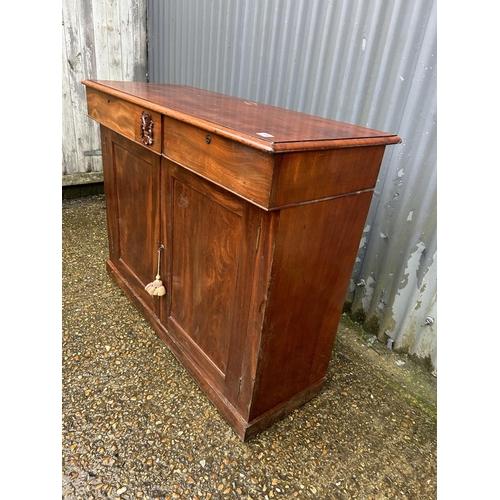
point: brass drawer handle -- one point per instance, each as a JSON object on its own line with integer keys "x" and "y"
{"x": 147, "y": 126}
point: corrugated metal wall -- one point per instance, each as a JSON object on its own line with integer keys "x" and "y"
{"x": 103, "y": 39}
{"x": 367, "y": 62}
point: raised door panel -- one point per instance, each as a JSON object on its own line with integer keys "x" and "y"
{"x": 210, "y": 272}
{"x": 204, "y": 270}
{"x": 132, "y": 195}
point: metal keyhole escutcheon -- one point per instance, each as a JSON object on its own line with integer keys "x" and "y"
{"x": 147, "y": 126}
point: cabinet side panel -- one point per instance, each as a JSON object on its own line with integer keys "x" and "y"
{"x": 315, "y": 250}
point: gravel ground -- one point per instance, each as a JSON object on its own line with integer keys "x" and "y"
{"x": 135, "y": 425}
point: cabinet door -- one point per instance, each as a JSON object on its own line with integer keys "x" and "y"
{"x": 211, "y": 244}
{"x": 131, "y": 174}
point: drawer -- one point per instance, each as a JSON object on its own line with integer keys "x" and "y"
{"x": 130, "y": 120}
{"x": 238, "y": 168}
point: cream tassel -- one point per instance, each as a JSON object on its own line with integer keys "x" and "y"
{"x": 156, "y": 287}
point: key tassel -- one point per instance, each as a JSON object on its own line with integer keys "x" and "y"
{"x": 156, "y": 288}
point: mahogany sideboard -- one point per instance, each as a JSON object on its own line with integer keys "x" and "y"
{"x": 251, "y": 216}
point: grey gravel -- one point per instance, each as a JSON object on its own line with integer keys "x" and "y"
{"x": 135, "y": 425}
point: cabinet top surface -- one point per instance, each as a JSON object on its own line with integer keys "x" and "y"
{"x": 267, "y": 127}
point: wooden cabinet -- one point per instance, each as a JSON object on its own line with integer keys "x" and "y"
{"x": 252, "y": 215}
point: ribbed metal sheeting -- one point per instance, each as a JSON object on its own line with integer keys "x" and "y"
{"x": 367, "y": 62}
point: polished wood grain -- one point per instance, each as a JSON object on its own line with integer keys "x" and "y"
{"x": 204, "y": 270}
{"x": 207, "y": 303}
{"x": 302, "y": 177}
{"x": 259, "y": 235}
{"x": 123, "y": 117}
{"x": 132, "y": 190}
{"x": 232, "y": 165}
{"x": 243, "y": 120}
{"x": 315, "y": 248}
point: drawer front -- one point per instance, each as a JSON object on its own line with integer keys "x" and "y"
{"x": 130, "y": 120}
{"x": 236, "y": 167}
